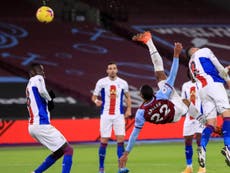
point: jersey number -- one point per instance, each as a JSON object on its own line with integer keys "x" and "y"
{"x": 163, "y": 112}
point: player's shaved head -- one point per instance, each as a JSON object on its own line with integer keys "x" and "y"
{"x": 36, "y": 69}
{"x": 146, "y": 92}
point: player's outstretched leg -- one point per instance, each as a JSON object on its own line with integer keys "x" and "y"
{"x": 146, "y": 38}
{"x": 123, "y": 170}
{"x": 226, "y": 153}
{"x": 142, "y": 37}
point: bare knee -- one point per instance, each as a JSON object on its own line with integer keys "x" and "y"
{"x": 104, "y": 140}
{"x": 120, "y": 138}
{"x": 226, "y": 113}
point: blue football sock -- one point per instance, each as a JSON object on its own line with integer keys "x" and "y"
{"x": 188, "y": 154}
{"x": 66, "y": 163}
{"x": 206, "y": 135}
{"x": 50, "y": 160}
{"x": 102, "y": 153}
{"x": 226, "y": 132}
{"x": 120, "y": 149}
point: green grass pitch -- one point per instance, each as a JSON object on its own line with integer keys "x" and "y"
{"x": 145, "y": 158}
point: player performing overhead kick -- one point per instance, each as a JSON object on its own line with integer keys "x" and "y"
{"x": 166, "y": 106}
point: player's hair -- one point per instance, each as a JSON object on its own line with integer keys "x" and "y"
{"x": 34, "y": 65}
{"x": 111, "y": 62}
{"x": 34, "y": 69}
{"x": 187, "y": 54}
{"x": 146, "y": 92}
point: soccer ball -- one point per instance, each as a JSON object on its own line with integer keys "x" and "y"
{"x": 45, "y": 14}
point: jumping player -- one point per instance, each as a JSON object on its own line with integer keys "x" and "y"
{"x": 166, "y": 106}
{"x": 211, "y": 75}
{"x": 111, "y": 89}
{"x": 39, "y": 102}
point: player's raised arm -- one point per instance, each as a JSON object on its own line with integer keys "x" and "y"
{"x": 175, "y": 65}
{"x": 165, "y": 92}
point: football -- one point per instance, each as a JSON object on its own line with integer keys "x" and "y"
{"x": 45, "y": 14}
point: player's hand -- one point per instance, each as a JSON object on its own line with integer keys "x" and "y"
{"x": 177, "y": 49}
{"x": 50, "y": 105}
{"x": 52, "y": 94}
{"x": 123, "y": 159}
{"x": 128, "y": 113}
{"x": 228, "y": 72}
{"x": 228, "y": 67}
{"x": 98, "y": 102}
{"x": 218, "y": 130}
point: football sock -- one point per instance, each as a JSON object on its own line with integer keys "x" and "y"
{"x": 102, "y": 153}
{"x": 50, "y": 160}
{"x": 206, "y": 135}
{"x": 188, "y": 154}
{"x": 226, "y": 131}
{"x": 155, "y": 56}
{"x": 66, "y": 163}
{"x": 67, "y": 160}
{"x": 120, "y": 149}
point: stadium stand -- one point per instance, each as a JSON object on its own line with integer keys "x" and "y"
{"x": 75, "y": 53}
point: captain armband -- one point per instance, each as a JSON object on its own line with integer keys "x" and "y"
{"x": 224, "y": 74}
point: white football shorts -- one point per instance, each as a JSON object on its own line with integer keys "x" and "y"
{"x": 109, "y": 122}
{"x": 191, "y": 126}
{"x": 214, "y": 99}
{"x": 48, "y": 136}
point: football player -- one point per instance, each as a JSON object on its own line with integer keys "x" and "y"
{"x": 166, "y": 106}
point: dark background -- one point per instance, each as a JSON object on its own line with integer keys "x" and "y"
{"x": 85, "y": 35}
